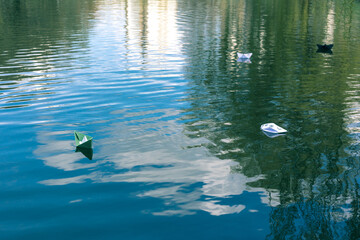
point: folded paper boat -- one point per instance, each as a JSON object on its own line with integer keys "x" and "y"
{"x": 325, "y": 47}
{"x": 82, "y": 140}
{"x": 272, "y": 128}
{"x": 87, "y": 152}
{"x": 244, "y": 55}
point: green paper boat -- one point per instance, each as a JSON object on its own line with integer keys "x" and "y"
{"x": 82, "y": 140}
{"x": 87, "y": 152}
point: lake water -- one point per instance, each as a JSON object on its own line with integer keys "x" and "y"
{"x": 178, "y": 152}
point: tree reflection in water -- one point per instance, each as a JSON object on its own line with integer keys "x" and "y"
{"x": 189, "y": 114}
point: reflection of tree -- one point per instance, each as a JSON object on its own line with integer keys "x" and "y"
{"x": 305, "y": 220}
{"x": 287, "y": 82}
{"x": 35, "y": 38}
{"x": 39, "y": 23}
{"x": 150, "y": 147}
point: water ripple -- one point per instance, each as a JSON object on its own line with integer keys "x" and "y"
{"x": 175, "y": 117}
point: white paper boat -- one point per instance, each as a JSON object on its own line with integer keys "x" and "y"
{"x": 272, "y": 128}
{"x": 244, "y": 55}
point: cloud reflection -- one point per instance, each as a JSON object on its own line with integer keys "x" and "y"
{"x": 147, "y": 145}
{"x": 59, "y": 154}
{"x": 194, "y": 180}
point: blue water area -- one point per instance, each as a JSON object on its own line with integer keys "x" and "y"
{"x": 175, "y": 118}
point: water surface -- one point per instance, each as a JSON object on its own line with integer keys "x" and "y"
{"x": 178, "y": 152}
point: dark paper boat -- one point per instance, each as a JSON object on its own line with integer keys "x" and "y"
{"x": 87, "y": 152}
{"x": 82, "y": 140}
{"x": 325, "y": 48}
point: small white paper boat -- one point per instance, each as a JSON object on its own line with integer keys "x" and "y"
{"x": 244, "y": 55}
{"x": 272, "y": 128}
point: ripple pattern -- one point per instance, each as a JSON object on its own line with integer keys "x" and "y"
{"x": 175, "y": 119}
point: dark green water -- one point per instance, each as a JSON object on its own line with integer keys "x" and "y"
{"x": 178, "y": 151}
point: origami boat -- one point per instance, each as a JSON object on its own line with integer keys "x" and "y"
{"x": 82, "y": 140}
{"x": 272, "y": 128}
{"x": 87, "y": 152}
{"x": 325, "y": 47}
{"x": 244, "y": 55}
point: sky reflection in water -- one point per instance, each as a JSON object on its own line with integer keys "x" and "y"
{"x": 172, "y": 111}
